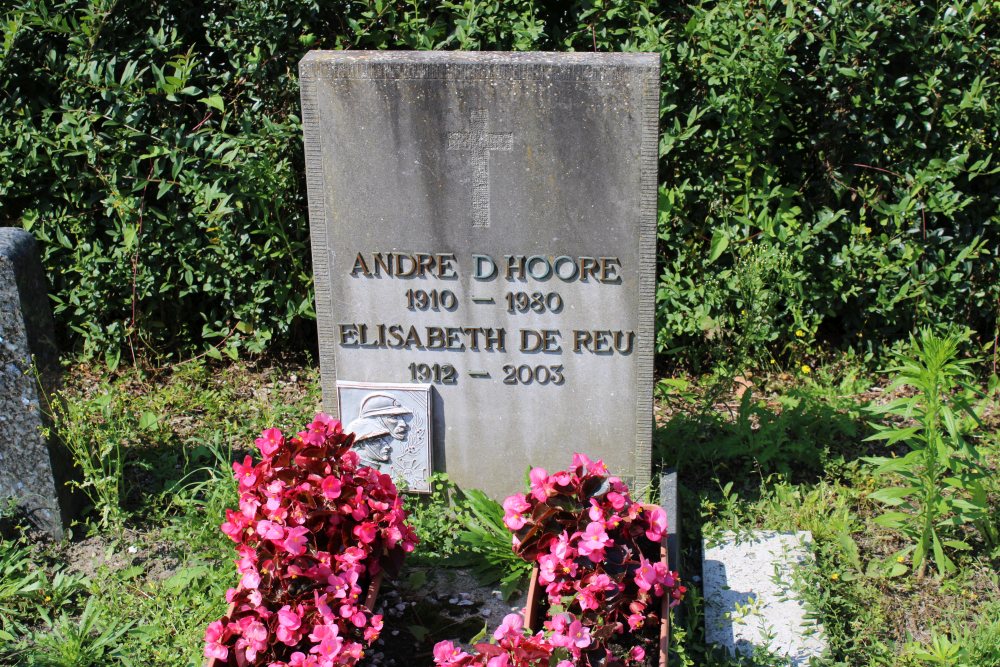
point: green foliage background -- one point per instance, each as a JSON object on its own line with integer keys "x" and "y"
{"x": 828, "y": 169}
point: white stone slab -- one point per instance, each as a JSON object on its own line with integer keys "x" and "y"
{"x": 751, "y": 599}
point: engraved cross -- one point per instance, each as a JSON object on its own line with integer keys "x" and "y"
{"x": 481, "y": 143}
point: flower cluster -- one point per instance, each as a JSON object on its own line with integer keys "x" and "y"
{"x": 312, "y": 531}
{"x": 598, "y": 557}
{"x": 562, "y": 643}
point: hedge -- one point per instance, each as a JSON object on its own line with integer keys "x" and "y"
{"x": 828, "y": 170}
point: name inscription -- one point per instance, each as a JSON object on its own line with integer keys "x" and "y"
{"x": 521, "y": 300}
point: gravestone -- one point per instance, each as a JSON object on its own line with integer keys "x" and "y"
{"x": 33, "y": 469}
{"x": 485, "y": 223}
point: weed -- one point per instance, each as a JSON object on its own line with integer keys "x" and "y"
{"x": 93, "y": 640}
{"x": 944, "y": 484}
{"x": 97, "y": 452}
{"x": 487, "y": 537}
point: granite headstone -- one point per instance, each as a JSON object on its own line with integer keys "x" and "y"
{"x": 486, "y": 223}
{"x": 33, "y": 468}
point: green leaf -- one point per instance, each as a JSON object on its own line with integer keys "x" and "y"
{"x": 149, "y": 421}
{"x": 895, "y": 435}
{"x": 214, "y": 102}
{"x": 957, "y": 544}
{"x": 112, "y": 357}
{"x": 720, "y": 241}
{"x": 892, "y": 496}
{"x": 944, "y": 563}
{"x": 897, "y": 569}
{"x": 892, "y": 519}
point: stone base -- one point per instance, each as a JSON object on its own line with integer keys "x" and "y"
{"x": 751, "y": 596}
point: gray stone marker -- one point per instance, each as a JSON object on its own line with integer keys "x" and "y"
{"x": 486, "y": 223}
{"x": 671, "y": 504}
{"x": 752, "y": 597}
{"x": 33, "y": 470}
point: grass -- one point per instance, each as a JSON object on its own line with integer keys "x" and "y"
{"x": 147, "y": 569}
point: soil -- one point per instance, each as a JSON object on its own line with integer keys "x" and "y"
{"x": 424, "y": 606}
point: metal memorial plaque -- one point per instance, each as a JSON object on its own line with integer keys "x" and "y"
{"x": 485, "y": 223}
{"x": 391, "y": 425}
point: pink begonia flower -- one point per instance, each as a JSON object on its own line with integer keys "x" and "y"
{"x": 645, "y": 575}
{"x": 563, "y": 478}
{"x": 245, "y": 473}
{"x": 541, "y": 486}
{"x": 547, "y": 567}
{"x": 248, "y": 650}
{"x": 296, "y": 540}
{"x": 664, "y": 577}
{"x": 270, "y": 441}
{"x": 568, "y": 568}
{"x": 657, "y": 522}
{"x": 512, "y": 624}
{"x": 327, "y": 641}
{"x": 564, "y": 663}
{"x": 638, "y": 653}
{"x": 562, "y": 548}
{"x": 366, "y": 532}
{"x": 579, "y": 634}
{"x": 352, "y": 555}
{"x": 499, "y": 661}
{"x": 374, "y": 628}
{"x": 274, "y": 508}
{"x": 353, "y": 650}
{"x": 288, "y": 624}
{"x": 393, "y": 536}
{"x": 328, "y": 424}
{"x": 587, "y": 599}
{"x": 592, "y": 542}
{"x": 514, "y": 507}
{"x": 446, "y": 653}
{"x": 357, "y": 507}
{"x": 288, "y": 618}
{"x": 235, "y": 524}
{"x": 255, "y": 597}
{"x": 617, "y": 500}
{"x": 331, "y": 487}
{"x": 250, "y": 579}
{"x": 249, "y": 505}
{"x": 593, "y": 467}
{"x": 354, "y": 614}
{"x": 247, "y": 560}
{"x": 270, "y": 530}
{"x": 213, "y": 641}
{"x": 595, "y": 512}
{"x": 635, "y": 621}
{"x": 602, "y": 582}
{"x": 256, "y": 633}
{"x": 558, "y": 625}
